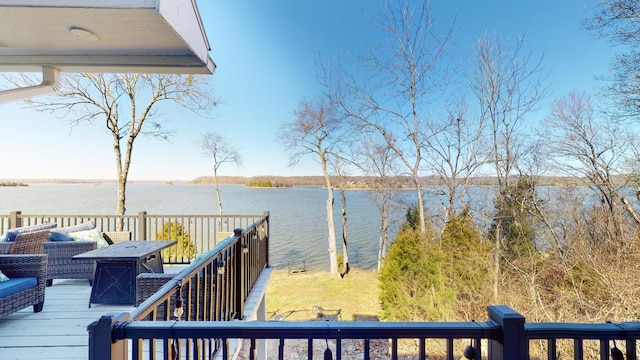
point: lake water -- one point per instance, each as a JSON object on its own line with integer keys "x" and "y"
{"x": 298, "y": 216}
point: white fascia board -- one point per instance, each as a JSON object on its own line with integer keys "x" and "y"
{"x": 82, "y": 3}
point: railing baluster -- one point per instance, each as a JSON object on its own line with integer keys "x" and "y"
{"x": 578, "y": 349}
{"x": 604, "y": 349}
{"x": 252, "y": 350}
{"x": 281, "y": 349}
{"x": 630, "y": 346}
{"x": 394, "y": 349}
{"x": 366, "y": 349}
{"x": 551, "y": 349}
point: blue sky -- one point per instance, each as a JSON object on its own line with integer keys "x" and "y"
{"x": 265, "y": 51}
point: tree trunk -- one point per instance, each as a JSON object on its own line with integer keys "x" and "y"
{"x": 496, "y": 265}
{"x": 384, "y": 232}
{"x": 215, "y": 183}
{"x": 345, "y": 253}
{"x": 333, "y": 257}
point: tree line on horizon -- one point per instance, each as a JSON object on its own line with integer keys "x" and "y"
{"x": 369, "y": 182}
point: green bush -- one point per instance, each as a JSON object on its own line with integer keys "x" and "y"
{"x": 466, "y": 260}
{"x": 514, "y": 210}
{"x": 185, "y": 249}
{"x": 412, "y": 283}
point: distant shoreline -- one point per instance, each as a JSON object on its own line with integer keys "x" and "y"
{"x": 353, "y": 182}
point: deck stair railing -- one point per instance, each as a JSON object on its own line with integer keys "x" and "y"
{"x": 203, "y": 231}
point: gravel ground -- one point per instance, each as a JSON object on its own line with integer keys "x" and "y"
{"x": 351, "y": 350}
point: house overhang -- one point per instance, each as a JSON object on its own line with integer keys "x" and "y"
{"x": 125, "y": 36}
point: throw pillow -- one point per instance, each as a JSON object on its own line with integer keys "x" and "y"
{"x": 90, "y": 235}
{"x": 3, "y": 277}
{"x": 57, "y": 236}
{"x": 12, "y": 233}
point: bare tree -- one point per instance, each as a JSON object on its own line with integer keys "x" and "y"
{"x": 593, "y": 149}
{"x": 317, "y": 130}
{"x": 457, "y": 151}
{"x": 619, "y": 20}
{"x": 128, "y": 105}
{"x": 508, "y": 86}
{"x": 215, "y": 146}
{"x": 403, "y": 77}
{"x": 380, "y": 162}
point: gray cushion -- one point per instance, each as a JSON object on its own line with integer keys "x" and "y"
{"x": 12, "y": 233}
{"x": 87, "y": 225}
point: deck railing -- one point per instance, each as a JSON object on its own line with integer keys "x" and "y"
{"x": 505, "y": 335}
{"x": 193, "y": 316}
{"x": 204, "y": 231}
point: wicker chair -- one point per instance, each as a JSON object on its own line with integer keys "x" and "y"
{"x": 26, "y": 243}
{"x": 197, "y": 309}
{"x": 20, "y": 266}
{"x": 60, "y": 264}
{"x": 113, "y": 237}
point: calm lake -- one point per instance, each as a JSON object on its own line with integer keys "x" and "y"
{"x": 298, "y": 216}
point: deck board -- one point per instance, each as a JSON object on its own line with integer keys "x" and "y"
{"x": 60, "y": 330}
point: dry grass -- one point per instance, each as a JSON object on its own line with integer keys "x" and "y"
{"x": 292, "y": 297}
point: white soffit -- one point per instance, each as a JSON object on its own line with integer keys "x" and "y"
{"x": 152, "y": 36}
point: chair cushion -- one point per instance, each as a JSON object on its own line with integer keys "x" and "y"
{"x": 12, "y": 233}
{"x": 87, "y": 225}
{"x": 15, "y": 285}
{"x": 3, "y": 277}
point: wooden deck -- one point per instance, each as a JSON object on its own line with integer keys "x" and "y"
{"x": 60, "y": 330}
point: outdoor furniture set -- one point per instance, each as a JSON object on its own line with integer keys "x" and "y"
{"x": 31, "y": 257}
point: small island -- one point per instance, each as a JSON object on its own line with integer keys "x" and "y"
{"x": 13, "y": 183}
{"x": 265, "y": 184}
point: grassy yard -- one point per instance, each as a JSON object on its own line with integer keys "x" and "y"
{"x": 293, "y": 297}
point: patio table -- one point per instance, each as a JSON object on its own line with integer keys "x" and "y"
{"x": 114, "y": 281}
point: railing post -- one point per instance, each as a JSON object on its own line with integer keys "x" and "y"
{"x": 101, "y": 347}
{"x": 15, "y": 220}
{"x": 240, "y": 272}
{"x": 514, "y": 345}
{"x": 266, "y": 215}
{"x": 142, "y": 226}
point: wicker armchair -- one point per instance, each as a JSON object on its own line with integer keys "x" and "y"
{"x": 60, "y": 264}
{"x": 196, "y": 294}
{"x": 26, "y": 243}
{"x": 20, "y": 266}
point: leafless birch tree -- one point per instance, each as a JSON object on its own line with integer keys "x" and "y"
{"x": 215, "y": 146}
{"x": 128, "y": 106}
{"x": 317, "y": 130}
{"x": 403, "y": 76}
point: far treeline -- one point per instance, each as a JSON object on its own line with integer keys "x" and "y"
{"x": 369, "y": 182}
